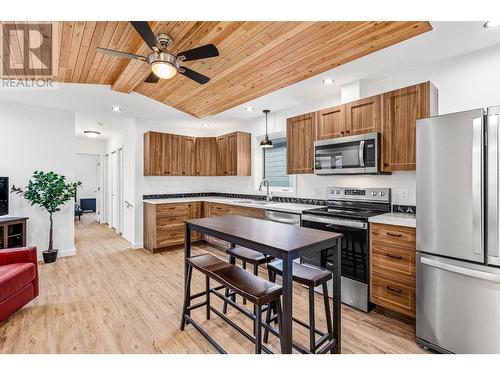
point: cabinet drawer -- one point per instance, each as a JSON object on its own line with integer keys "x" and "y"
{"x": 393, "y": 294}
{"x": 256, "y": 213}
{"x": 172, "y": 210}
{"x": 393, "y": 261}
{"x": 219, "y": 210}
{"x": 393, "y": 234}
{"x": 165, "y": 221}
{"x": 169, "y": 235}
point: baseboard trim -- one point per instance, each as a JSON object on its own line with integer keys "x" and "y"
{"x": 138, "y": 245}
{"x": 61, "y": 253}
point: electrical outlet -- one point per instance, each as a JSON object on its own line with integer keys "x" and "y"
{"x": 405, "y": 195}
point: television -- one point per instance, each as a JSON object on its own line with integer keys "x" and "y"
{"x": 4, "y": 196}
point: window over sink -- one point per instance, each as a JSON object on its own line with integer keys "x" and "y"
{"x": 274, "y": 166}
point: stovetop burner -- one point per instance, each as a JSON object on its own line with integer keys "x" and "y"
{"x": 355, "y": 203}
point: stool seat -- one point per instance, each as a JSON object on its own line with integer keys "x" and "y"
{"x": 253, "y": 288}
{"x": 247, "y": 255}
{"x": 303, "y": 273}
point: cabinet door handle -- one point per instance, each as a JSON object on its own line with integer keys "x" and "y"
{"x": 386, "y": 164}
{"x": 394, "y": 234}
{"x": 347, "y": 131}
{"x": 399, "y": 257}
{"x": 395, "y": 290}
{"x": 341, "y": 132}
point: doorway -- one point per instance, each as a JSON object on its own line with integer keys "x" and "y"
{"x": 113, "y": 189}
{"x": 88, "y": 172}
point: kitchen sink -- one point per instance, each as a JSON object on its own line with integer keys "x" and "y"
{"x": 249, "y": 201}
{"x": 244, "y": 201}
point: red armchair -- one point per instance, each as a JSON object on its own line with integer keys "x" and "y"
{"x": 18, "y": 279}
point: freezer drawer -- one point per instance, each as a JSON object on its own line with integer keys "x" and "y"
{"x": 458, "y": 305}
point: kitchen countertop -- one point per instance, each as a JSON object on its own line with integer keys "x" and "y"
{"x": 273, "y": 206}
{"x": 404, "y": 220}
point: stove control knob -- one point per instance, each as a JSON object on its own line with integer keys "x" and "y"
{"x": 382, "y": 193}
{"x": 338, "y": 191}
{"x": 374, "y": 193}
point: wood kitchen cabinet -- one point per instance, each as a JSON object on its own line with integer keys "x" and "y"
{"x": 154, "y": 154}
{"x": 178, "y": 155}
{"x": 392, "y": 266}
{"x": 206, "y": 156}
{"x": 363, "y": 116}
{"x": 330, "y": 123}
{"x": 233, "y": 154}
{"x": 400, "y": 111}
{"x": 300, "y": 133}
{"x": 164, "y": 224}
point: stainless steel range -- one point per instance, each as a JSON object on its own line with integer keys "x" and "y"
{"x": 348, "y": 212}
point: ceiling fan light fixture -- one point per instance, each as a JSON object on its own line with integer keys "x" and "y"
{"x": 163, "y": 69}
{"x": 91, "y": 133}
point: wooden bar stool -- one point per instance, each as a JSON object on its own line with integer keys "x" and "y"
{"x": 311, "y": 277}
{"x": 258, "y": 291}
{"x": 245, "y": 255}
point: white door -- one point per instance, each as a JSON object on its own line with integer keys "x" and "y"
{"x": 115, "y": 188}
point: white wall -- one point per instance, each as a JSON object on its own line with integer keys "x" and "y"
{"x": 34, "y": 138}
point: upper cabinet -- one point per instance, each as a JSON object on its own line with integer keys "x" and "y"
{"x": 206, "y": 156}
{"x": 300, "y": 133}
{"x": 233, "y": 154}
{"x": 178, "y": 155}
{"x": 392, "y": 114}
{"x": 363, "y": 116}
{"x": 330, "y": 123}
{"x": 401, "y": 109}
{"x": 155, "y": 145}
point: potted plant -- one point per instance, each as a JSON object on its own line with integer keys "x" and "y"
{"x": 50, "y": 191}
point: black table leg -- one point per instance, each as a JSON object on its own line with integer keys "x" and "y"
{"x": 187, "y": 254}
{"x": 286, "y": 323}
{"x": 336, "y": 297}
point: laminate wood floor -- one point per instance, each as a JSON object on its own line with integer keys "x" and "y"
{"x": 110, "y": 298}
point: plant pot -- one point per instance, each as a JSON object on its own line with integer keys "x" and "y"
{"x": 49, "y": 256}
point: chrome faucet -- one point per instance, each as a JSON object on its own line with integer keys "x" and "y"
{"x": 264, "y": 182}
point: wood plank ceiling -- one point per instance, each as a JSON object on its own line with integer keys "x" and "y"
{"x": 256, "y": 58}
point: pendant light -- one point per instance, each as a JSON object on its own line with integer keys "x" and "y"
{"x": 266, "y": 143}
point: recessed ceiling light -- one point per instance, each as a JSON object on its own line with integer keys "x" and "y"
{"x": 490, "y": 24}
{"x": 249, "y": 109}
{"x": 116, "y": 108}
{"x": 100, "y": 124}
{"x": 205, "y": 124}
{"x": 327, "y": 81}
{"x": 91, "y": 133}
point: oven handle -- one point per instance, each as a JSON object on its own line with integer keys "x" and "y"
{"x": 361, "y": 153}
{"x": 336, "y": 221}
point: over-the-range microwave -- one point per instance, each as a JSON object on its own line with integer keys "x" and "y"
{"x": 357, "y": 154}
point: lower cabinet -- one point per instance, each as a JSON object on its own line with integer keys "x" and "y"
{"x": 164, "y": 223}
{"x": 220, "y": 209}
{"x": 392, "y": 265}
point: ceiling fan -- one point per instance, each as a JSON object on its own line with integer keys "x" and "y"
{"x": 164, "y": 64}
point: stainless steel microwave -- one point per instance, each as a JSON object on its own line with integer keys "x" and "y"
{"x": 357, "y": 154}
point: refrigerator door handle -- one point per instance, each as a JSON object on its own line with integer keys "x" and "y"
{"x": 492, "y": 123}
{"x": 477, "y": 184}
{"x": 460, "y": 270}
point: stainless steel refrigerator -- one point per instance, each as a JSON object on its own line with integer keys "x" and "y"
{"x": 458, "y": 232}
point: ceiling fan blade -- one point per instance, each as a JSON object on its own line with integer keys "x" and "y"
{"x": 126, "y": 55}
{"x": 144, "y": 30}
{"x": 202, "y": 52}
{"x": 152, "y": 78}
{"x": 195, "y": 76}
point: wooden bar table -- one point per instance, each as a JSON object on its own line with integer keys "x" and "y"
{"x": 283, "y": 241}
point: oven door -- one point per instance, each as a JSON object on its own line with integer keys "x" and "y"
{"x": 354, "y": 257}
{"x": 347, "y": 155}
{"x": 354, "y": 252}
